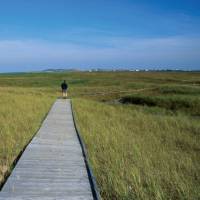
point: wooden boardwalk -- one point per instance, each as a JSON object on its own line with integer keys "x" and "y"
{"x": 52, "y": 167}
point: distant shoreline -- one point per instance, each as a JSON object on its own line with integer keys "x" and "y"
{"x": 99, "y": 70}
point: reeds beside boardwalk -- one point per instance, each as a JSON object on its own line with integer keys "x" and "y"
{"x": 52, "y": 166}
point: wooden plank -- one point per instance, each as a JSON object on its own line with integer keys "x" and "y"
{"x": 52, "y": 167}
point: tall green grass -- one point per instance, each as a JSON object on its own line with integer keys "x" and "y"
{"x": 140, "y": 155}
{"x": 137, "y": 151}
{"x": 21, "y": 113}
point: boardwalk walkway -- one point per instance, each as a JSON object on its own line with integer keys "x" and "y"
{"x": 52, "y": 167}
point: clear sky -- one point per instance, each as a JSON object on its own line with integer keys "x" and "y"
{"x": 40, "y": 34}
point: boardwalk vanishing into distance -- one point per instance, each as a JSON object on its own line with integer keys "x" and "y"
{"x": 52, "y": 166}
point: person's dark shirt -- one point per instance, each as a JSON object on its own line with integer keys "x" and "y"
{"x": 64, "y": 86}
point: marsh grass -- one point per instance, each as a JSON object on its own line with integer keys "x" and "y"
{"x": 174, "y": 98}
{"x": 136, "y": 151}
{"x": 140, "y": 155}
{"x": 21, "y": 113}
{"x": 188, "y": 104}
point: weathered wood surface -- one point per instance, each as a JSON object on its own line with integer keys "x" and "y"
{"x": 52, "y": 167}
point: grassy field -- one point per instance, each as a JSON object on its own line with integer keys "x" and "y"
{"x": 138, "y": 153}
{"x": 21, "y": 113}
{"x": 141, "y": 129}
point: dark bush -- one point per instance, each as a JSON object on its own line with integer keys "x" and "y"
{"x": 174, "y": 103}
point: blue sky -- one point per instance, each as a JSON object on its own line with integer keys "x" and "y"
{"x": 40, "y": 34}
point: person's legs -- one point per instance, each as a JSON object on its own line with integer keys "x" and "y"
{"x": 63, "y": 93}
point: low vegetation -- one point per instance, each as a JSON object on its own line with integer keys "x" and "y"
{"x": 141, "y": 129}
{"x": 175, "y": 103}
{"x": 140, "y": 153}
{"x": 21, "y": 113}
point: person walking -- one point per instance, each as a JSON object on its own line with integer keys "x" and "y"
{"x": 64, "y": 87}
